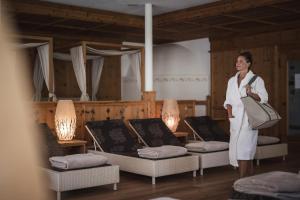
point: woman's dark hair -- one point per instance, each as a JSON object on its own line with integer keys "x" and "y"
{"x": 248, "y": 57}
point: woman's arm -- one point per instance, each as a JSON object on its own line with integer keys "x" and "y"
{"x": 227, "y": 103}
{"x": 229, "y": 111}
{"x": 251, "y": 94}
{"x": 259, "y": 92}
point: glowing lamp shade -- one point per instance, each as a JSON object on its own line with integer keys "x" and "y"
{"x": 65, "y": 120}
{"x": 170, "y": 114}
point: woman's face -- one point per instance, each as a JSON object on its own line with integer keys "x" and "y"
{"x": 241, "y": 64}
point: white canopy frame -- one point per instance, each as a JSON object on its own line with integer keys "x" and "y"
{"x": 97, "y": 51}
{"x": 43, "y": 63}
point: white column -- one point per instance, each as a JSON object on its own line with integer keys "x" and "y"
{"x": 148, "y": 48}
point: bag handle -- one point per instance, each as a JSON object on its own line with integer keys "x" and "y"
{"x": 252, "y": 80}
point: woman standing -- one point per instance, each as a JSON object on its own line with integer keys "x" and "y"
{"x": 243, "y": 139}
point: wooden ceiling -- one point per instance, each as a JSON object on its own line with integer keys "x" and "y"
{"x": 219, "y": 20}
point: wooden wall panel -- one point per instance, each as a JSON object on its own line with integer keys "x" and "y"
{"x": 271, "y": 51}
{"x": 223, "y": 67}
{"x": 30, "y": 54}
{"x": 44, "y": 112}
{"x": 110, "y": 83}
{"x": 65, "y": 80}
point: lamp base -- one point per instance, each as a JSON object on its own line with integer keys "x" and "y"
{"x": 181, "y": 134}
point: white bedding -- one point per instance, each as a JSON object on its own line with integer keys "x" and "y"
{"x": 165, "y": 151}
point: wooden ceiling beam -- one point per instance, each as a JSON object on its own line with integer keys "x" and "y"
{"x": 73, "y": 37}
{"x": 255, "y": 31}
{"x": 285, "y": 9}
{"x": 86, "y": 31}
{"x": 204, "y": 25}
{"x": 157, "y": 34}
{"x": 75, "y": 13}
{"x": 212, "y": 9}
{"x": 250, "y": 19}
{"x": 51, "y": 23}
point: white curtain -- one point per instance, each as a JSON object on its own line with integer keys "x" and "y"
{"x": 131, "y": 76}
{"x": 110, "y": 52}
{"x": 79, "y": 69}
{"x": 29, "y": 45}
{"x": 43, "y": 54}
{"x": 97, "y": 67}
{"x": 135, "y": 60}
{"x": 38, "y": 79}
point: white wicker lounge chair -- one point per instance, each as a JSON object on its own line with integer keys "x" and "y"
{"x": 205, "y": 129}
{"x": 270, "y": 149}
{"x": 116, "y": 143}
{"x": 147, "y": 130}
{"x": 65, "y": 180}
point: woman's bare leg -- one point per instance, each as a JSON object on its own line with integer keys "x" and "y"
{"x": 243, "y": 168}
{"x": 250, "y": 168}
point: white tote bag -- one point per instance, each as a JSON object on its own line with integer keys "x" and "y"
{"x": 260, "y": 115}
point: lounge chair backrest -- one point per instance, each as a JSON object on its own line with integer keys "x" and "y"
{"x": 50, "y": 146}
{"x": 113, "y": 136}
{"x": 206, "y": 129}
{"x": 154, "y": 132}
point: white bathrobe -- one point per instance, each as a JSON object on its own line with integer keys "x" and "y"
{"x": 243, "y": 139}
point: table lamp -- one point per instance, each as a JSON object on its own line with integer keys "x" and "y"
{"x": 65, "y": 120}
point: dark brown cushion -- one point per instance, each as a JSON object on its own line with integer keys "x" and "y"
{"x": 50, "y": 145}
{"x": 113, "y": 136}
{"x": 207, "y": 129}
{"x": 154, "y": 132}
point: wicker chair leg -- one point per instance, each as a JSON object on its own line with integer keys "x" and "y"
{"x": 194, "y": 173}
{"x": 283, "y": 158}
{"x": 201, "y": 171}
{"x": 115, "y": 187}
{"x": 58, "y": 195}
{"x": 257, "y": 162}
{"x": 153, "y": 181}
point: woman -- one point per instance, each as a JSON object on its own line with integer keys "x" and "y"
{"x": 243, "y": 139}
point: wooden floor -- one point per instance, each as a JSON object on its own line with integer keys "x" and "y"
{"x": 215, "y": 184}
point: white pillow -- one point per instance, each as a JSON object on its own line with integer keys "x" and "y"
{"x": 264, "y": 140}
{"x": 208, "y": 146}
{"x": 269, "y": 183}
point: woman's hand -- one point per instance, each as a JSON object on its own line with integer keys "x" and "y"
{"x": 251, "y": 94}
{"x": 248, "y": 90}
{"x": 229, "y": 111}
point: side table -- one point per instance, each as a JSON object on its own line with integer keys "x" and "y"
{"x": 73, "y": 146}
{"x": 182, "y": 136}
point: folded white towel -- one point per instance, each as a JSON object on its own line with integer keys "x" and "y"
{"x": 76, "y": 161}
{"x": 165, "y": 151}
{"x": 209, "y": 146}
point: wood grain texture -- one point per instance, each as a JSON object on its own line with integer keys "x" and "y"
{"x": 271, "y": 52}
{"x": 221, "y": 19}
{"x": 44, "y": 112}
